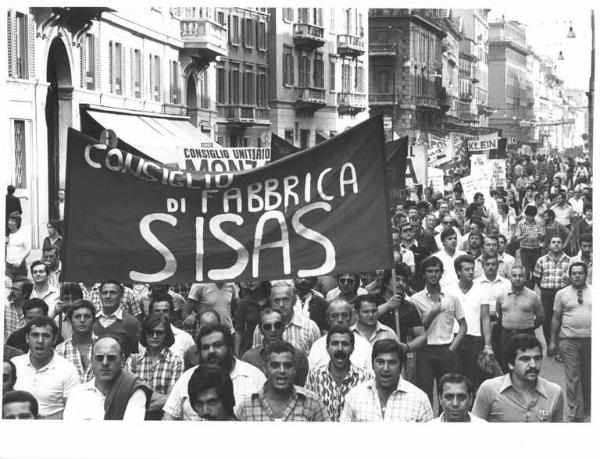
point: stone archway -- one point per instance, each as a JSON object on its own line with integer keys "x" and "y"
{"x": 192, "y": 99}
{"x": 59, "y": 117}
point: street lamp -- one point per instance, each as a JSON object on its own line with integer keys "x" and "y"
{"x": 571, "y": 34}
{"x": 560, "y": 56}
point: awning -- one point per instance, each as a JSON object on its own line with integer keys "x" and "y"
{"x": 160, "y": 138}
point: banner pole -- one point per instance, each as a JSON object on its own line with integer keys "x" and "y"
{"x": 396, "y": 313}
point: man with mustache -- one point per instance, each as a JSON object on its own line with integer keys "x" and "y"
{"x": 521, "y": 395}
{"x": 215, "y": 347}
{"x": 334, "y": 380}
{"x": 211, "y": 393}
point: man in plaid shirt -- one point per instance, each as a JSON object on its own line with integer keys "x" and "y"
{"x": 129, "y": 301}
{"x": 333, "y": 380}
{"x": 388, "y": 397}
{"x": 551, "y": 273}
{"x": 279, "y": 400}
{"x": 13, "y": 313}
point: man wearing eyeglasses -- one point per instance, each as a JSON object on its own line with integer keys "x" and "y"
{"x": 339, "y": 313}
{"x": 348, "y": 288}
{"x": 271, "y": 327}
{"x": 113, "y": 393}
{"x": 572, "y": 334}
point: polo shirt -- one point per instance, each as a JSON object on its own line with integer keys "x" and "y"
{"x": 381, "y": 332}
{"x": 246, "y": 379}
{"x": 496, "y": 288}
{"x": 471, "y": 302}
{"x": 519, "y": 309}
{"x": 563, "y": 213}
{"x": 440, "y": 330}
{"x": 498, "y": 401}
{"x": 51, "y": 385}
{"x": 86, "y": 403}
{"x": 449, "y": 276}
{"x": 256, "y": 356}
{"x": 361, "y": 356}
{"x": 576, "y": 318}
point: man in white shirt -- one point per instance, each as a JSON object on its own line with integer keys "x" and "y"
{"x": 52, "y": 260}
{"x": 447, "y": 255}
{"x": 504, "y": 258}
{"x": 42, "y": 288}
{"x": 42, "y": 372}
{"x": 162, "y": 303}
{"x": 113, "y": 393}
{"x": 339, "y": 312}
{"x": 215, "y": 346}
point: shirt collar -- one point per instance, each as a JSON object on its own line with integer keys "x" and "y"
{"x": 402, "y": 387}
{"x": 118, "y": 314}
{"x": 48, "y": 366}
{"x": 539, "y": 386}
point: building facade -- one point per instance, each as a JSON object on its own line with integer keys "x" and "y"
{"x": 318, "y": 83}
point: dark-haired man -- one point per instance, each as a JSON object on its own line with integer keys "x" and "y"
{"x": 215, "y": 346}
{"x": 333, "y": 380}
{"x": 44, "y": 373}
{"x": 210, "y": 392}
{"x": 368, "y": 325}
{"x": 521, "y": 395}
{"x": 13, "y": 312}
{"x": 584, "y": 255}
{"x": 51, "y": 258}
{"x": 32, "y": 309}
{"x": 389, "y": 397}
{"x": 279, "y": 399}
{"x": 447, "y": 255}
{"x": 163, "y": 303}
{"x": 455, "y": 396}
{"x": 19, "y": 404}
{"x": 42, "y": 289}
{"x": 9, "y": 375}
{"x": 310, "y": 302}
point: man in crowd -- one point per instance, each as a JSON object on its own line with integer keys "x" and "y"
{"x": 521, "y": 395}
{"x": 271, "y": 326}
{"x": 310, "y": 302}
{"x": 42, "y": 288}
{"x": 14, "y": 318}
{"x": 69, "y": 293}
{"x": 333, "y": 380}
{"x": 491, "y": 281}
{"x": 214, "y": 296}
{"x": 298, "y": 330}
{"x": 447, "y": 255}
{"x": 572, "y": 334}
{"x": 191, "y": 357}
{"x": 128, "y": 301}
{"x": 279, "y": 399}
{"x": 389, "y": 397}
{"x": 51, "y": 258}
{"x": 505, "y": 259}
{"x": 585, "y": 254}
{"x": 215, "y": 346}
{"x": 475, "y": 302}
{"x": 562, "y": 210}
{"x": 9, "y": 375}
{"x": 339, "y": 312}
{"x": 550, "y": 273}
{"x": 368, "y": 325}
{"x": 348, "y": 288}
{"x": 162, "y": 303}
{"x": 425, "y": 240}
{"x": 519, "y": 311}
{"x": 455, "y": 396}
{"x": 529, "y": 235}
{"x": 438, "y": 310}
{"x": 19, "y": 404}
{"x": 446, "y": 221}
{"x": 162, "y": 290}
{"x": 210, "y": 392}
{"x": 490, "y": 247}
{"x": 32, "y": 309}
{"x": 44, "y": 373}
{"x": 112, "y": 318}
{"x": 78, "y": 348}
{"x": 113, "y": 393}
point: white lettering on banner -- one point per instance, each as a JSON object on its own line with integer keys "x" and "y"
{"x": 348, "y": 181}
{"x": 238, "y": 247}
{"x": 307, "y": 233}
{"x": 324, "y": 196}
{"x": 284, "y": 243}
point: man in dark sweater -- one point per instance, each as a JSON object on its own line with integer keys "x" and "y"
{"x": 112, "y": 319}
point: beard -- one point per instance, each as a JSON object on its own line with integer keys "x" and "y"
{"x": 224, "y": 361}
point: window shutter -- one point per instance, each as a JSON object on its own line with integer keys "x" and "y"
{"x": 12, "y": 52}
{"x": 30, "y": 45}
{"x": 292, "y": 75}
{"x": 150, "y": 77}
{"x": 123, "y": 74}
{"x": 285, "y": 68}
{"x": 110, "y": 66}
{"x": 142, "y": 74}
{"x": 132, "y": 72}
{"x": 83, "y": 62}
{"x": 97, "y": 72}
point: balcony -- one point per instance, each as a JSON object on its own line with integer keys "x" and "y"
{"x": 381, "y": 98}
{"x": 469, "y": 117}
{"x": 351, "y": 102}
{"x": 350, "y": 45}
{"x": 310, "y": 99}
{"x": 308, "y": 36}
{"x": 444, "y": 101}
{"x": 242, "y": 115}
{"x": 475, "y": 76}
{"x": 205, "y": 36}
{"x": 426, "y": 102}
{"x": 382, "y": 49}
{"x": 484, "y": 109}
{"x": 466, "y": 96}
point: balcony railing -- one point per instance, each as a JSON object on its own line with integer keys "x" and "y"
{"x": 466, "y": 96}
{"x": 242, "y": 114}
{"x": 206, "y": 35}
{"x": 350, "y": 45}
{"x": 381, "y": 98}
{"x": 351, "y": 102}
{"x": 310, "y": 98}
{"x": 308, "y": 36}
{"x": 382, "y": 49}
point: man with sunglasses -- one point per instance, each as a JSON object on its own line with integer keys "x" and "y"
{"x": 271, "y": 327}
{"x": 348, "y": 288}
{"x": 113, "y": 393}
{"x": 572, "y": 334}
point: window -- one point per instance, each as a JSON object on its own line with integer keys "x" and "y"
{"x": 319, "y": 76}
{"x": 156, "y": 78}
{"x": 332, "y": 75}
{"x": 20, "y": 46}
{"x": 234, "y": 30}
{"x": 359, "y": 82}
{"x": 248, "y": 86}
{"x": 303, "y": 15}
{"x": 304, "y": 136}
{"x": 382, "y": 82}
{"x": 19, "y": 178}
{"x": 174, "y": 86}
{"x": 303, "y": 70}
{"x": 261, "y": 87}
{"x": 136, "y": 73}
{"x": 88, "y": 62}
{"x": 288, "y": 66}
{"x": 249, "y": 33}
{"x": 21, "y": 49}
{"x": 347, "y": 20}
{"x": 203, "y": 85}
{"x": 288, "y": 135}
{"x": 332, "y": 20}
{"x": 346, "y": 77}
{"x": 261, "y": 41}
{"x": 221, "y": 17}
{"x": 360, "y": 28}
{"x": 115, "y": 67}
{"x": 221, "y": 85}
{"x": 318, "y": 16}
{"x": 288, "y": 14}
{"x": 234, "y": 84}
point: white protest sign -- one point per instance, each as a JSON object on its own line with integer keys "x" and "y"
{"x": 497, "y": 169}
{"x": 473, "y": 184}
{"x": 483, "y": 142}
{"x": 440, "y": 150}
{"x": 435, "y": 178}
{"x": 416, "y": 166}
{"x": 478, "y": 164}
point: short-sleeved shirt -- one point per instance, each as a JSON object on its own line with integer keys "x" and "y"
{"x": 361, "y": 356}
{"x": 498, "y": 401}
{"x": 69, "y": 350}
{"x": 408, "y": 316}
{"x": 531, "y": 231}
{"x": 449, "y": 276}
{"x": 519, "y": 309}
{"x": 303, "y": 406}
{"x": 300, "y": 332}
{"x": 50, "y": 385}
{"x": 440, "y": 330}
{"x": 563, "y": 213}
{"x": 497, "y": 288}
{"x": 256, "y": 356}
{"x": 161, "y": 374}
{"x": 471, "y": 302}
{"x": 209, "y": 296}
{"x": 552, "y": 274}
{"x": 576, "y": 318}
{"x": 381, "y": 332}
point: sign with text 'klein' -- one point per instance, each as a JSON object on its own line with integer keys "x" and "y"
{"x": 322, "y": 210}
{"x": 483, "y": 142}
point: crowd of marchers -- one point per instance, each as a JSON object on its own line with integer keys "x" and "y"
{"x": 480, "y": 294}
